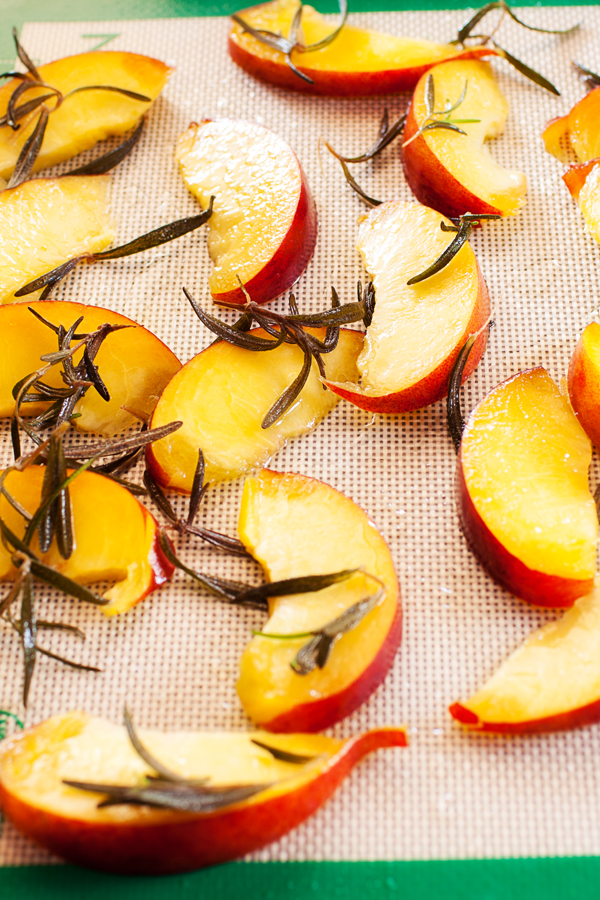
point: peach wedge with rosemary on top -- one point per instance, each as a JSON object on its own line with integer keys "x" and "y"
{"x": 114, "y": 537}
{"x": 264, "y": 224}
{"x": 550, "y": 683}
{"x": 455, "y": 110}
{"x": 417, "y": 329}
{"x": 350, "y": 62}
{"x": 78, "y": 117}
{"x": 47, "y": 221}
{"x": 320, "y": 655}
{"x": 223, "y": 395}
{"x": 215, "y": 795}
{"x": 524, "y": 502}
{"x": 133, "y": 363}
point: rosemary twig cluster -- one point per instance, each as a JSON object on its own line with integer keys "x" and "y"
{"x": 291, "y": 329}
{"x": 168, "y": 790}
{"x": 18, "y": 114}
{"x": 294, "y": 41}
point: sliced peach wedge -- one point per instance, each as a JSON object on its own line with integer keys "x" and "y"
{"x": 584, "y": 382}
{"x": 222, "y": 397}
{"x": 418, "y": 329}
{"x": 524, "y": 502}
{"x": 358, "y": 62}
{"x": 285, "y": 778}
{"x": 82, "y": 118}
{"x": 453, "y": 172}
{"x": 114, "y": 536}
{"x": 578, "y": 130}
{"x": 550, "y": 683}
{"x": 133, "y": 363}
{"x": 264, "y": 224}
{"x": 46, "y": 222}
{"x": 583, "y": 181}
{"x": 297, "y": 526}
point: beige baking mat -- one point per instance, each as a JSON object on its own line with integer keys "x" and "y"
{"x": 173, "y": 659}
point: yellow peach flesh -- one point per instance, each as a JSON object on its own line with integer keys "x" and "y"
{"x": 134, "y": 364}
{"x": 222, "y": 396}
{"x": 46, "y": 222}
{"x": 525, "y": 459}
{"x": 557, "y": 669}
{"x": 113, "y": 535}
{"x": 294, "y": 526}
{"x": 78, "y": 747}
{"x": 467, "y": 157}
{"x": 89, "y": 116}
{"x": 589, "y": 202}
{"x": 256, "y": 181}
{"x": 355, "y": 49}
{"x": 416, "y": 327}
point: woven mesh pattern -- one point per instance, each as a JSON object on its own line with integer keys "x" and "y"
{"x": 173, "y": 659}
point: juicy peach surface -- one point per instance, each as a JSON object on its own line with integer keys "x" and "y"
{"x": 46, "y": 222}
{"x": 551, "y": 682}
{"x": 145, "y": 840}
{"x": 264, "y": 223}
{"x": 579, "y": 129}
{"x": 358, "y": 62}
{"x": 584, "y": 382}
{"x": 223, "y": 394}
{"x": 452, "y": 172}
{"x": 87, "y": 117}
{"x": 133, "y": 363}
{"x": 526, "y": 506}
{"x": 115, "y": 537}
{"x": 584, "y": 184}
{"x": 417, "y": 330}
{"x": 294, "y": 525}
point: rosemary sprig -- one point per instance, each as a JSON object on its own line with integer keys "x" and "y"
{"x": 293, "y": 42}
{"x": 589, "y": 78}
{"x": 112, "y": 158}
{"x": 290, "y": 329}
{"x": 370, "y": 201}
{"x": 456, "y": 423}
{"x": 440, "y": 118}
{"x": 148, "y": 241}
{"x": 387, "y": 134}
{"x": 172, "y": 791}
{"x": 186, "y": 526}
{"x": 283, "y": 755}
{"x": 465, "y": 33}
{"x": 316, "y": 652}
{"x": 462, "y": 228}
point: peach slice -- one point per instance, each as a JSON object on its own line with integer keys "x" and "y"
{"x": 583, "y": 182}
{"x": 115, "y": 537}
{"x": 454, "y": 173}
{"x": 417, "y": 330}
{"x": 222, "y": 396}
{"x": 46, "y": 222}
{"x": 359, "y": 62}
{"x": 524, "y": 501}
{"x": 579, "y": 129}
{"x": 142, "y": 840}
{"x": 87, "y": 117}
{"x": 584, "y": 382}
{"x": 133, "y": 363}
{"x": 263, "y": 228}
{"x": 550, "y": 683}
{"x": 294, "y": 525}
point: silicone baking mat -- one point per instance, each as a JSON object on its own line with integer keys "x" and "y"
{"x": 173, "y": 659}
